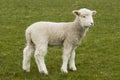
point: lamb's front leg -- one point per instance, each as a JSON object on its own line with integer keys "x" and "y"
{"x": 72, "y": 61}
{"x": 66, "y": 55}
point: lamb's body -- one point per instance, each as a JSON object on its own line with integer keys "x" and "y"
{"x": 41, "y": 34}
{"x": 56, "y": 33}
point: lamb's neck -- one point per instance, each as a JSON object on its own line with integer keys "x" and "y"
{"x": 79, "y": 28}
{"x": 78, "y": 25}
{"x": 77, "y": 21}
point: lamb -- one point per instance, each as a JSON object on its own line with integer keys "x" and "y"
{"x": 40, "y": 35}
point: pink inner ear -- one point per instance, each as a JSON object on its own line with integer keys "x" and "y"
{"x": 77, "y": 13}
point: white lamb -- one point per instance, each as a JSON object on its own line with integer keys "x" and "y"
{"x": 67, "y": 34}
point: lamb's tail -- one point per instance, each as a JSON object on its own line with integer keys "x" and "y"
{"x": 29, "y": 39}
{"x": 28, "y": 36}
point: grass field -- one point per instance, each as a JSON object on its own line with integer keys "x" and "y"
{"x": 97, "y": 58}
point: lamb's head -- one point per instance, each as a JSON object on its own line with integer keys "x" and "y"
{"x": 85, "y": 16}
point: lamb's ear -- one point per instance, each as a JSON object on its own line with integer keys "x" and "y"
{"x": 76, "y": 12}
{"x": 94, "y": 12}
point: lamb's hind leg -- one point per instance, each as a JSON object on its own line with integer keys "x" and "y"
{"x": 40, "y": 53}
{"x": 27, "y": 53}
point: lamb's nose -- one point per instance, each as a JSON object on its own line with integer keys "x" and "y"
{"x": 92, "y": 24}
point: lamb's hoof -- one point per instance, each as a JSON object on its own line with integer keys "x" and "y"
{"x": 64, "y": 71}
{"x": 73, "y": 68}
{"x": 44, "y": 73}
{"x": 26, "y": 70}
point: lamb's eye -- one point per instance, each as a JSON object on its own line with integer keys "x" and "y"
{"x": 84, "y": 16}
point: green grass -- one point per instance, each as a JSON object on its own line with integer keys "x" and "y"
{"x": 97, "y": 58}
